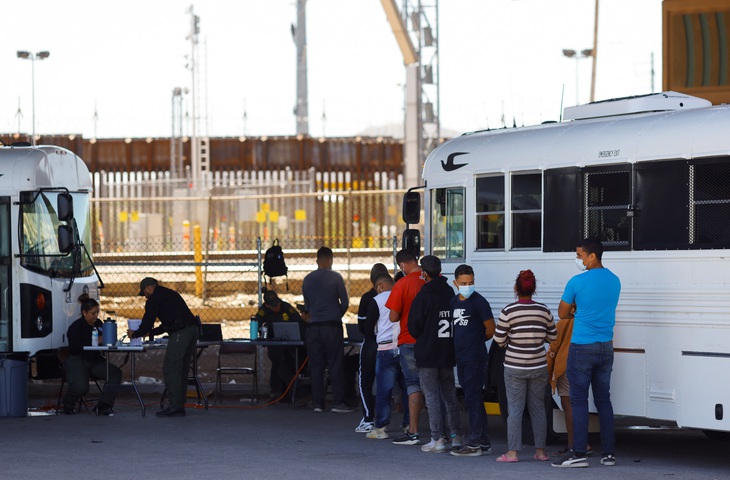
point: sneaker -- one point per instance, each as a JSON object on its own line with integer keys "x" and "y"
{"x": 571, "y": 460}
{"x": 69, "y": 411}
{"x": 467, "y": 451}
{"x": 435, "y": 446}
{"x": 456, "y": 441}
{"x": 377, "y": 433}
{"x": 407, "y": 438}
{"x": 609, "y": 460}
{"x": 364, "y": 426}
{"x": 104, "y": 409}
{"x": 342, "y": 408}
{"x": 486, "y": 449}
{"x": 318, "y": 410}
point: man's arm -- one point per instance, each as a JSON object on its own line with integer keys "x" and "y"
{"x": 416, "y": 316}
{"x": 344, "y": 299}
{"x": 367, "y": 326}
{"x": 564, "y": 310}
{"x": 148, "y": 320}
{"x": 489, "y": 328}
{"x": 394, "y": 316}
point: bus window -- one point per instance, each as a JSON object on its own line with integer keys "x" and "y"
{"x": 39, "y": 243}
{"x": 526, "y": 210}
{"x": 447, "y": 222}
{"x": 709, "y": 219}
{"x": 490, "y": 212}
{"x": 607, "y": 200}
{"x": 5, "y": 266}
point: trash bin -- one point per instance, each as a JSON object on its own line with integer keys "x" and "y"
{"x": 13, "y": 384}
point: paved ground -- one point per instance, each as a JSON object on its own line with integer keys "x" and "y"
{"x": 236, "y": 441}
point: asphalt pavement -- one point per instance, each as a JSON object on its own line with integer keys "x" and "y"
{"x": 235, "y": 440}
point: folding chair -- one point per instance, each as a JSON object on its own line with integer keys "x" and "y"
{"x": 240, "y": 351}
{"x": 61, "y": 357}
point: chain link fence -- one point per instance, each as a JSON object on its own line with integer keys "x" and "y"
{"x": 220, "y": 276}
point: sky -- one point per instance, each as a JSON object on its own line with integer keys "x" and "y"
{"x": 498, "y": 58}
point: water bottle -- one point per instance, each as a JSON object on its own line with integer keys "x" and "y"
{"x": 264, "y": 331}
{"x": 94, "y": 337}
{"x": 254, "y": 328}
{"x": 109, "y": 332}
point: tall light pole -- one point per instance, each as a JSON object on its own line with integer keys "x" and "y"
{"x": 42, "y": 55}
{"x": 577, "y": 55}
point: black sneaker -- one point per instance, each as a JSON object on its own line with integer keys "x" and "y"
{"x": 407, "y": 439}
{"x": 68, "y": 411}
{"x": 609, "y": 460}
{"x": 104, "y": 409}
{"x": 486, "y": 449}
{"x": 467, "y": 451}
{"x": 571, "y": 460}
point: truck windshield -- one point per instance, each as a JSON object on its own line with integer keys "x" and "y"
{"x": 39, "y": 229}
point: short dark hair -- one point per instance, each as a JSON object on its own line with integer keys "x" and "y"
{"x": 377, "y": 271}
{"x": 384, "y": 278}
{"x": 592, "y": 245}
{"x": 463, "y": 270}
{"x": 431, "y": 265}
{"x": 325, "y": 252}
{"x": 405, "y": 256}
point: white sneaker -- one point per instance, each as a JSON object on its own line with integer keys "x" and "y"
{"x": 435, "y": 446}
{"x": 377, "y": 433}
{"x": 364, "y": 426}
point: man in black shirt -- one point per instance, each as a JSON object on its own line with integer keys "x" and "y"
{"x": 283, "y": 364}
{"x": 181, "y": 325}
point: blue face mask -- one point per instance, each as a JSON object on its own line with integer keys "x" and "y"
{"x": 466, "y": 290}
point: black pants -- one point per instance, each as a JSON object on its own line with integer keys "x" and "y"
{"x": 283, "y": 368}
{"x": 368, "y": 355}
{"x": 325, "y": 349}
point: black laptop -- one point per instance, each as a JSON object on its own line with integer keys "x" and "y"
{"x": 285, "y": 331}
{"x": 353, "y": 332}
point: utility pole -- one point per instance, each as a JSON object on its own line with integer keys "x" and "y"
{"x": 193, "y": 66}
{"x": 299, "y": 33}
{"x": 595, "y": 56}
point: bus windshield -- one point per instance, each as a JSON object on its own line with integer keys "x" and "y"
{"x": 39, "y": 226}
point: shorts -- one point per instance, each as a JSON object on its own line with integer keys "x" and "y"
{"x": 563, "y": 386}
{"x": 409, "y": 369}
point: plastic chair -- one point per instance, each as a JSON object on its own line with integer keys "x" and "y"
{"x": 238, "y": 350}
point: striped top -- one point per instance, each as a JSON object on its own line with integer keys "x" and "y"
{"x": 524, "y": 327}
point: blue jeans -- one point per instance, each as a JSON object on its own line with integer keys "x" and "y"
{"x": 387, "y": 372}
{"x": 590, "y": 365}
{"x": 471, "y": 379}
{"x": 408, "y": 367}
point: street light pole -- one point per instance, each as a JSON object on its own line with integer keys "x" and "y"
{"x": 577, "y": 55}
{"x": 42, "y": 55}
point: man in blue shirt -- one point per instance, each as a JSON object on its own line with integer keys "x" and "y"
{"x": 590, "y": 358}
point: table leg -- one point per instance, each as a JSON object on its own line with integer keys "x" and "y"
{"x": 132, "y": 367}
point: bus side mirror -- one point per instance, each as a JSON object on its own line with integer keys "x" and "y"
{"x": 411, "y": 208}
{"x": 412, "y": 241}
{"x": 65, "y": 238}
{"x": 65, "y": 207}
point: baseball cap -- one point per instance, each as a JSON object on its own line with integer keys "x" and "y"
{"x": 271, "y": 298}
{"x": 146, "y": 282}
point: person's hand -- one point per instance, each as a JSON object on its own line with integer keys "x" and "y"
{"x": 130, "y": 333}
{"x": 305, "y": 317}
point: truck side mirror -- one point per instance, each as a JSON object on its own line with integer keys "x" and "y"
{"x": 411, "y": 208}
{"x": 65, "y": 207}
{"x": 412, "y": 241}
{"x": 65, "y": 238}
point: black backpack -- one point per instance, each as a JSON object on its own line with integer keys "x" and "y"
{"x": 274, "y": 264}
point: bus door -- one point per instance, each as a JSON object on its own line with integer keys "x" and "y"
{"x": 5, "y": 269}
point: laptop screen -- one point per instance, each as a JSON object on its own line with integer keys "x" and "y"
{"x": 286, "y": 331}
{"x": 353, "y": 332}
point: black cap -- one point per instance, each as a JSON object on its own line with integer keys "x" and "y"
{"x": 271, "y": 298}
{"x": 146, "y": 282}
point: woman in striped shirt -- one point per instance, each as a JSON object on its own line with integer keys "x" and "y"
{"x": 523, "y": 328}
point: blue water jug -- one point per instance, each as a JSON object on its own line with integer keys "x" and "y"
{"x": 109, "y": 332}
{"x": 254, "y": 328}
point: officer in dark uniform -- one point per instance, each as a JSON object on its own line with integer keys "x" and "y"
{"x": 181, "y": 325}
{"x": 283, "y": 359}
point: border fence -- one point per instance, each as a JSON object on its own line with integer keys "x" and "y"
{"x": 207, "y": 241}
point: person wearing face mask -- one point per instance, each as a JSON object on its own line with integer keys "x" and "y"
{"x": 590, "y": 356}
{"x": 473, "y": 326}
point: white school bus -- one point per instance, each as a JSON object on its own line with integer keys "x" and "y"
{"x": 45, "y": 246}
{"x": 650, "y": 177}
